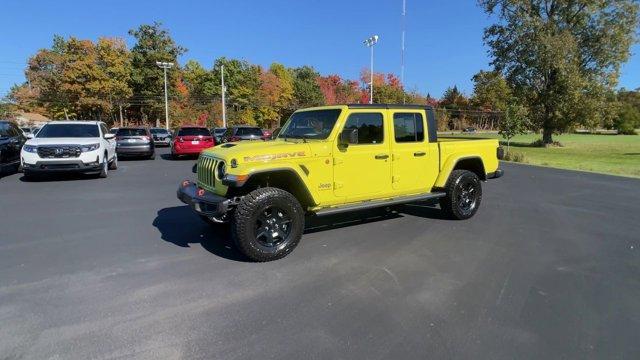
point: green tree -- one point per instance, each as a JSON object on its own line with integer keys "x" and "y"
{"x": 242, "y": 80}
{"x": 561, "y": 57}
{"x": 306, "y": 91}
{"x": 153, "y": 44}
{"x": 628, "y": 120}
{"x": 490, "y": 91}
{"x": 514, "y": 122}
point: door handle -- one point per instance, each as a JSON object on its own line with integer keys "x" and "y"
{"x": 382, "y": 156}
{"x": 419, "y": 153}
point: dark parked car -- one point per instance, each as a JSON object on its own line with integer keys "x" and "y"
{"x": 135, "y": 141}
{"x": 217, "y": 133}
{"x": 11, "y": 141}
{"x": 469, "y": 130}
{"x": 242, "y": 132}
{"x": 161, "y": 136}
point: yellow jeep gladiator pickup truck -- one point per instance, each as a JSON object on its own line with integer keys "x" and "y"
{"x": 332, "y": 159}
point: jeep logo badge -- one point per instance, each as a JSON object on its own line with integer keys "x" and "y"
{"x": 59, "y": 151}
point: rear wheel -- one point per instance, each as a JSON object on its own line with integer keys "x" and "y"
{"x": 267, "y": 224}
{"x": 464, "y": 194}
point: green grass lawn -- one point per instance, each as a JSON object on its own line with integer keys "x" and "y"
{"x": 608, "y": 154}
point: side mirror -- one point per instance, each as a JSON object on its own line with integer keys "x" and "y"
{"x": 109, "y": 136}
{"x": 347, "y": 137}
{"x": 30, "y": 136}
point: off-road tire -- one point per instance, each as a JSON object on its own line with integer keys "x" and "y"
{"x": 459, "y": 180}
{"x": 245, "y": 220}
{"x": 113, "y": 165}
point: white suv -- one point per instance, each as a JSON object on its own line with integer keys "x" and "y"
{"x": 76, "y": 146}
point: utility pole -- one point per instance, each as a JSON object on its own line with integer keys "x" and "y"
{"x": 121, "y": 119}
{"x": 224, "y": 90}
{"x": 404, "y": 13}
{"x": 165, "y": 66}
{"x": 370, "y": 42}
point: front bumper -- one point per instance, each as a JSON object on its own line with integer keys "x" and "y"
{"x": 87, "y": 162}
{"x": 202, "y": 201}
{"x": 62, "y": 166}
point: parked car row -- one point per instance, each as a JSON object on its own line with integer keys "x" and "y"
{"x": 89, "y": 147}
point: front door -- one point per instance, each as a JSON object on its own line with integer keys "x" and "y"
{"x": 362, "y": 169}
{"x": 415, "y": 161}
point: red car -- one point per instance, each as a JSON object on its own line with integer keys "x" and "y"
{"x": 191, "y": 140}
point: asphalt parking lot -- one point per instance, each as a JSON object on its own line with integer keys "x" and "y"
{"x": 119, "y": 268}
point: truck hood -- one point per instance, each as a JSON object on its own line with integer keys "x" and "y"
{"x": 260, "y": 151}
{"x": 62, "y": 141}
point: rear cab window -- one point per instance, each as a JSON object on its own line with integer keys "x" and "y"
{"x": 408, "y": 127}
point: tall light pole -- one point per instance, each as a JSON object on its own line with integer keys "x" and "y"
{"x": 404, "y": 15}
{"x": 224, "y": 90}
{"x": 369, "y": 43}
{"x": 165, "y": 66}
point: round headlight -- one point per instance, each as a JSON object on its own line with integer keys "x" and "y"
{"x": 221, "y": 170}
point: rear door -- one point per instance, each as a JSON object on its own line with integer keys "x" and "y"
{"x": 362, "y": 170}
{"x": 415, "y": 161}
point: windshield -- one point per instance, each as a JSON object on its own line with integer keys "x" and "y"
{"x": 5, "y": 130}
{"x": 69, "y": 130}
{"x": 249, "y": 132}
{"x": 314, "y": 124}
{"x": 220, "y": 131}
{"x": 194, "y": 132}
{"x": 131, "y": 132}
{"x": 159, "y": 131}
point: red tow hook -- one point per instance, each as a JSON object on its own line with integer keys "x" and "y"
{"x": 200, "y": 192}
{"x": 185, "y": 183}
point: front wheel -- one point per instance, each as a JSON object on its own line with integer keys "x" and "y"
{"x": 114, "y": 163}
{"x": 267, "y": 224}
{"x": 104, "y": 168}
{"x": 464, "y": 194}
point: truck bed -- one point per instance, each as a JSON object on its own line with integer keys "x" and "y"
{"x": 454, "y": 148}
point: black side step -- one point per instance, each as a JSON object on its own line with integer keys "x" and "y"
{"x": 379, "y": 203}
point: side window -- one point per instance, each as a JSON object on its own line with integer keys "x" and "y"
{"x": 408, "y": 127}
{"x": 369, "y": 126}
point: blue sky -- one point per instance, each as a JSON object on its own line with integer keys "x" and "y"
{"x": 443, "y": 44}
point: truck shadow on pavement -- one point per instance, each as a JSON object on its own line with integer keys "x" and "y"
{"x": 180, "y": 226}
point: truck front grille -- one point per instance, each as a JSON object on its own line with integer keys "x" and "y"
{"x": 59, "y": 151}
{"x": 207, "y": 172}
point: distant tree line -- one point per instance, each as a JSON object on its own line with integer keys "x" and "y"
{"x": 556, "y": 66}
